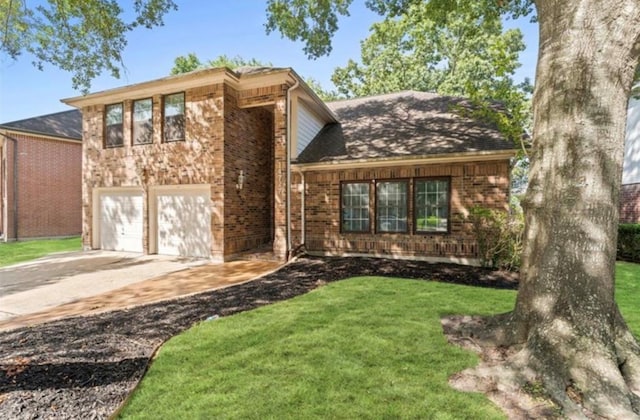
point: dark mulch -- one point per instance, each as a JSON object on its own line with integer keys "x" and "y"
{"x": 84, "y": 367}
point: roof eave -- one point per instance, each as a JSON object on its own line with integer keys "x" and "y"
{"x": 20, "y": 131}
{"x": 406, "y": 161}
{"x": 314, "y": 96}
{"x": 164, "y": 85}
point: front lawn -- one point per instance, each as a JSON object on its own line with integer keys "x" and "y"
{"x": 15, "y": 252}
{"x": 367, "y": 347}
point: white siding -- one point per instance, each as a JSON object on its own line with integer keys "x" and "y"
{"x": 308, "y": 126}
{"x": 631, "y": 169}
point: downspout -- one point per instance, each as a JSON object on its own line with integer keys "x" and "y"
{"x": 15, "y": 184}
{"x": 288, "y": 150}
{"x": 302, "y": 212}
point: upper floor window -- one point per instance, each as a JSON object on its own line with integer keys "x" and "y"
{"x": 113, "y": 132}
{"x": 391, "y": 206}
{"x": 173, "y": 117}
{"x": 355, "y": 207}
{"x": 142, "y": 121}
{"x": 431, "y": 205}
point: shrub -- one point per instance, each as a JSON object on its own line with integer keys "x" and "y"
{"x": 629, "y": 242}
{"x": 499, "y": 236}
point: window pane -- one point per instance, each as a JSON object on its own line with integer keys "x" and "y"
{"x": 355, "y": 207}
{"x": 432, "y": 206}
{"x": 174, "y": 117}
{"x": 143, "y": 121}
{"x": 391, "y": 206}
{"x": 113, "y": 125}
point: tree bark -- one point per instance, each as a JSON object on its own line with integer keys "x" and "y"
{"x": 565, "y": 310}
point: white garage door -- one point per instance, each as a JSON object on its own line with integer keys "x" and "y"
{"x": 121, "y": 221}
{"x": 184, "y": 223}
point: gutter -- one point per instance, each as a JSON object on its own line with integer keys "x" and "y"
{"x": 48, "y": 136}
{"x": 288, "y": 153}
{"x": 302, "y": 211}
{"x": 15, "y": 185}
{"x": 374, "y": 162}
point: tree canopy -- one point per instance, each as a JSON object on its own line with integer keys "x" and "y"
{"x": 83, "y": 37}
{"x": 315, "y": 23}
{"x": 470, "y": 52}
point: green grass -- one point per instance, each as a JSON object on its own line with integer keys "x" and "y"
{"x": 628, "y": 294}
{"x": 15, "y": 252}
{"x": 366, "y": 347}
{"x": 361, "y": 348}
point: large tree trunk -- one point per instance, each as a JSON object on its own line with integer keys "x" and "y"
{"x": 566, "y": 325}
{"x": 565, "y": 310}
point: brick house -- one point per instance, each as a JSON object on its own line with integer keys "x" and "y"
{"x": 630, "y": 193}
{"x": 40, "y": 176}
{"x": 217, "y": 162}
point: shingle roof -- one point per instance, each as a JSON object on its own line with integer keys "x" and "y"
{"x": 66, "y": 124}
{"x": 248, "y": 70}
{"x": 404, "y": 124}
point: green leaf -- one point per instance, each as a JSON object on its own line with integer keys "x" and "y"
{"x": 83, "y": 37}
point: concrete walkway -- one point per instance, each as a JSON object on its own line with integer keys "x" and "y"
{"x": 127, "y": 283}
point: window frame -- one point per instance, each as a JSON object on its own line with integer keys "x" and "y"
{"x": 106, "y": 145}
{"x": 164, "y": 118}
{"x": 133, "y": 122}
{"x": 407, "y": 184}
{"x": 415, "y": 206}
{"x": 342, "y": 229}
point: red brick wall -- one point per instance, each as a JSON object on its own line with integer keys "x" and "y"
{"x": 476, "y": 183}
{"x": 197, "y": 160}
{"x": 226, "y": 131}
{"x": 274, "y": 97}
{"x": 630, "y": 203}
{"x": 49, "y": 187}
{"x": 248, "y": 145}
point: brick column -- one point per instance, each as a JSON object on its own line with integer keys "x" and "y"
{"x": 91, "y": 146}
{"x": 280, "y": 178}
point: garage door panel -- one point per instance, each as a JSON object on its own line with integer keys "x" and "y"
{"x": 121, "y": 222}
{"x": 184, "y": 224}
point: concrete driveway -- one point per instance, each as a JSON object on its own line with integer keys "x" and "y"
{"x": 65, "y": 277}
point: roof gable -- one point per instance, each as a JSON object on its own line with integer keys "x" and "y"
{"x": 405, "y": 124}
{"x": 65, "y": 124}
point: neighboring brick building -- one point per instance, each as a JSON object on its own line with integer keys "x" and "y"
{"x": 216, "y": 162}
{"x": 40, "y": 175}
{"x": 630, "y": 194}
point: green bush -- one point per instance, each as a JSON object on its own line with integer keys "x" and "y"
{"x": 629, "y": 242}
{"x": 499, "y": 236}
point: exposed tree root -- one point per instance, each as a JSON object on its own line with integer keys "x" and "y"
{"x": 546, "y": 379}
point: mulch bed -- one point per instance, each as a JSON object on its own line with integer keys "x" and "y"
{"x": 85, "y": 367}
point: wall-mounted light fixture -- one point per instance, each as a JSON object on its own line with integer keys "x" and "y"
{"x": 240, "y": 182}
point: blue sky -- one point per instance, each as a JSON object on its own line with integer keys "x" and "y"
{"x": 209, "y": 29}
